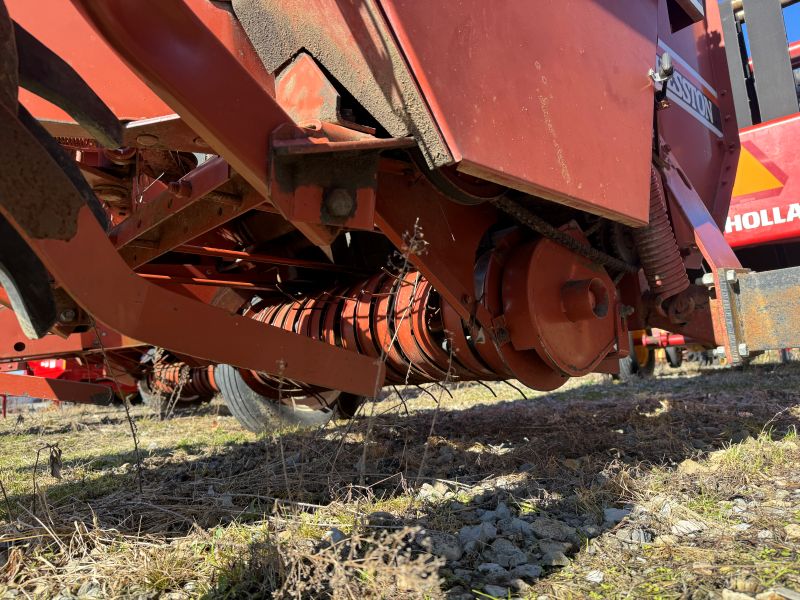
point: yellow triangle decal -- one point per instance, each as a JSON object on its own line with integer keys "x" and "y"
{"x": 753, "y": 177}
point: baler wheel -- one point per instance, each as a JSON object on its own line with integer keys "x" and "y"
{"x": 260, "y": 413}
{"x": 674, "y": 356}
{"x": 630, "y": 367}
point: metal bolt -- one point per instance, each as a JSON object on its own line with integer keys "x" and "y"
{"x": 707, "y": 279}
{"x": 182, "y": 188}
{"x": 67, "y": 315}
{"x": 743, "y": 351}
{"x": 146, "y": 139}
{"x": 731, "y": 276}
{"x": 339, "y": 203}
{"x": 719, "y": 351}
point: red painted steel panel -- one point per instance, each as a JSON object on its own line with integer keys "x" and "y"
{"x": 551, "y": 97}
{"x": 767, "y": 208}
{"x": 59, "y": 25}
{"x": 699, "y": 125}
{"x": 54, "y": 389}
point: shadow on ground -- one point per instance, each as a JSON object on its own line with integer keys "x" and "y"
{"x": 566, "y": 455}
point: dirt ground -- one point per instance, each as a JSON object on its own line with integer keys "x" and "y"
{"x": 682, "y": 486}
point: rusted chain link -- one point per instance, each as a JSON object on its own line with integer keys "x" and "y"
{"x": 543, "y": 228}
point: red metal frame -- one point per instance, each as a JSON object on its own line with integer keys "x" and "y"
{"x": 113, "y": 294}
{"x": 60, "y": 390}
{"x": 191, "y": 269}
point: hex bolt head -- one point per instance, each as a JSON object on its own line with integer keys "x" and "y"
{"x": 719, "y": 351}
{"x": 743, "y": 351}
{"x": 707, "y": 279}
{"x": 731, "y": 276}
{"x": 67, "y": 315}
{"x": 339, "y": 203}
{"x": 146, "y": 139}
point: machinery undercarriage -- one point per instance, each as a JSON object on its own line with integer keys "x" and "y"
{"x": 304, "y": 202}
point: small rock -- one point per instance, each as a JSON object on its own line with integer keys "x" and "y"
{"x": 496, "y": 591}
{"x": 333, "y": 536}
{"x": 505, "y": 553}
{"x": 571, "y": 463}
{"x": 501, "y": 512}
{"x": 744, "y": 583}
{"x": 464, "y": 575}
{"x": 459, "y": 593}
{"x": 550, "y": 528}
{"x": 640, "y": 536}
{"x": 764, "y": 534}
{"x": 691, "y": 467}
{"x": 440, "y": 544}
{"x": 595, "y": 576}
{"x": 687, "y": 527}
{"x": 382, "y": 519}
{"x": 493, "y": 572}
{"x": 792, "y": 531}
{"x": 741, "y": 527}
{"x": 666, "y": 540}
{"x": 555, "y": 559}
{"x": 515, "y": 526}
{"x": 769, "y": 595}
{"x": 472, "y": 535}
{"x": 590, "y": 531}
{"x": 731, "y": 595}
{"x": 546, "y": 546}
{"x": 528, "y": 572}
{"x": 615, "y": 515}
{"x": 519, "y": 586}
{"x": 787, "y": 593}
{"x": 740, "y": 436}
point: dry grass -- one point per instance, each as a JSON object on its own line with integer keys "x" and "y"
{"x": 221, "y": 515}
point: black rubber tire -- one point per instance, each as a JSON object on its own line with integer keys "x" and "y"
{"x": 258, "y": 413}
{"x": 646, "y": 370}
{"x": 674, "y": 356}
{"x": 629, "y": 366}
{"x": 347, "y": 405}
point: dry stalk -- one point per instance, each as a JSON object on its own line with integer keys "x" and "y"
{"x": 414, "y": 244}
{"x": 126, "y": 404}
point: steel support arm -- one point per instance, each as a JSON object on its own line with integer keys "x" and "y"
{"x": 59, "y": 390}
{"x": 38, "y": 199}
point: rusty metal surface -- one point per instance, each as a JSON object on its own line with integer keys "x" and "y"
{"x": 524, "y": 364}
{"x": 451, "y": 232}
{"x": 717, "y": 253}
{"x": 553, "y": 118}
{"x": 110, "y": 292}
{"x": 700, "y": 125}
{"x": 542, "y": 313}
{"x": 657, "y": 248}
{"x": 59, "y": 390}
{"x": 236, "y": 123}
{"x": 197, "y": 184}
{"x": 353, "y": 43}
{"x": 14, "y": 345}
{"x": 768, "y": 304}
{"x": 95, "y": 61}
{"x": 48, "y": 76}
